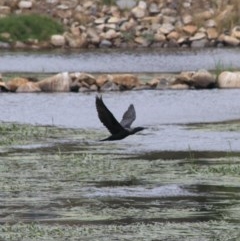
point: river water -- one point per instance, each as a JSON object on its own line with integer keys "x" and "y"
{"x": 174, "y": 179}
{"x": 109, "y": 60}
{"x": 163, "y": 113}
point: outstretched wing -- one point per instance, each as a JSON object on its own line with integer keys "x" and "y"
{"x": 128, "y": 117}
{"x": 107, "y": 118}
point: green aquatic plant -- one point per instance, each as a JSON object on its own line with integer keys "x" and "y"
{"x": 220, "y": 67}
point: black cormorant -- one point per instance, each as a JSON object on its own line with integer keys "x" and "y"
{"x": 118, "y": 130}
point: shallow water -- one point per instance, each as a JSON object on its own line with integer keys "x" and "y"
{"x": 164, "y": 114}
{"x": 123, "y": 61}
{"x": 176, "y": 180}
{"x": 56, "y": 179}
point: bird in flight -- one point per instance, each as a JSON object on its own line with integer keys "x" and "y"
{"x": 118, "y": 130}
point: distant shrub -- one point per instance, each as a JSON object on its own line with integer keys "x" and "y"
{"x": 24, "y": 27}
{"x": 108, "y": 2}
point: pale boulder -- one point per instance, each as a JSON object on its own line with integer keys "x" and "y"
{"x": 57, "y": 83}
{"x": 57, "y": 40}
{"x": 140, "y": 10}
{"x": 229, "y": 79}
{"x": 25, "y": 4}
{"x": 236, "y": 32}
{"x": 230, "y": 40}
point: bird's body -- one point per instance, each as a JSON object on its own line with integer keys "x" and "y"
{"x": 118, "y": 130}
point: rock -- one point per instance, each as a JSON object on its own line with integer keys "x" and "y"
{"x": 13, "y": 84}
{"x": 28, "y": 87}
{"x": 63, "y": 12}
{"x": 205, "y": 15}
{"x": 110, "y": 34}
{"x": 102, "y": 79}
{"x": 140, "y": 10}
{"x": 187, "y": 19}
{"x": 126, "y": 4}
{"x": 3, "y": 87}
{"x": 105, "y": 44}
{"x": 210, "y": 23}
{"x": 153, "y": 9}
{"x": 93, "y": 35}
{"x": 142, "y": 5}
{"x": 75, "y": 41}
{"x": 212, "y": 33}
{"x": 4, "y": 45}
{"x": 25, "y": 4}
{"x": 229, "y": 79}
{"x": 199, "y": 43}
{"x": 200, "y": 80}
{"x": 159, "y": 37}
{"x": 110, "y": 86}
{"x": 203, "y": 79}
{"x": 142, "y": 41}
{"x": 113, "y": 20}
{"x": 20, "y": 45}
{"x": 100, "y": 21}
{"x": 161, "y": 82}
{"x": 57, "y": 40}
{"x": 236, "y": 32}
{"x": 83, "y": 77}
{"x": 179, "y": 87}
{"x": 190, "y": 29}
{"x": 93, "y": 87}
{"x": 153, "y": 83}
{"x": 198, "y": 36}
{"x": 79, "y": 80}
{"x": 57, "y": 83}
{"x": 166, "y": 28}
{"x": 230, "y": 40}
{"x": 174, "y": 35}
{"x": 5, "y": 10}
{"x": 127, "y": 81}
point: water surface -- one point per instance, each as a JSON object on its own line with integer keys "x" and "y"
{"x": 123, "y": 61}
{"x": 164, "y": 113}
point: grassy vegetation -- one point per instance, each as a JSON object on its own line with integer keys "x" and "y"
{"x": 108, "y": 2}
{"x": 67, "y": 188}
{"x": 25, "y": 27}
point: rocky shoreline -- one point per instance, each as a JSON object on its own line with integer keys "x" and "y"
{"x": 85, "y": 82}
{"x": 131, "y": 23}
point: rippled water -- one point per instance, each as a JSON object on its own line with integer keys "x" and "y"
{"x": 162, "y": 112}
{"x": 110, "y": 60}
{"x": 176, "y": 180}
